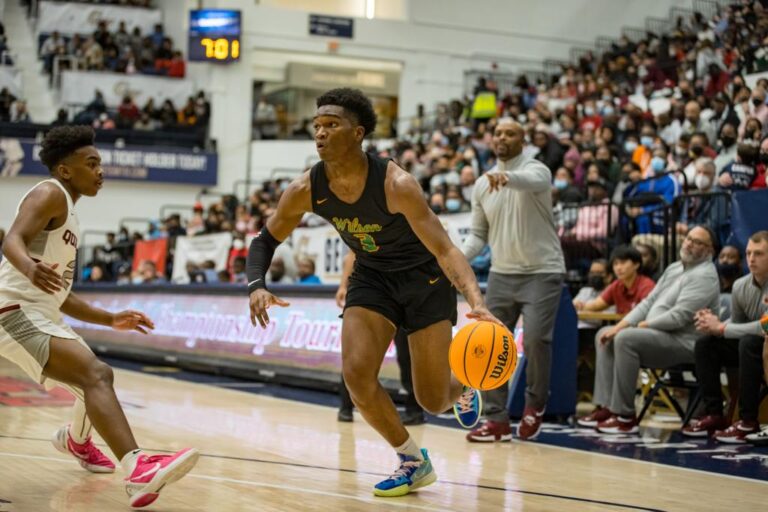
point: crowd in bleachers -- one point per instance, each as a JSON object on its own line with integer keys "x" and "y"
{"x": 116, "y": 50}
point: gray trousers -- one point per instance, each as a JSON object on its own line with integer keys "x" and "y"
{"x": 537, "y": 297}
{"x": 618, "y": 364}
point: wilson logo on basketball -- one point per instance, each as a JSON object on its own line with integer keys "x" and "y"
{"x": 502, "y": 359}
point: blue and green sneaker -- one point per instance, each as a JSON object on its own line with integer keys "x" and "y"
{"x": 468, "y": 407}
{"x": 412, "y": 474}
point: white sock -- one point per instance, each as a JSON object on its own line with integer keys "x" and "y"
{"x": 128, "y": 462}
{"x": 80, "y": 428}
{"x": 410, "y": 448}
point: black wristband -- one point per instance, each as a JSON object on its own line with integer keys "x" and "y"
{"x": 259, "y": 259}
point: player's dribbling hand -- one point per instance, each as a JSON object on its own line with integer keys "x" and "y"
{"x": 482, "y": 313}
{"x": 497, "y": 180}
{"x": 260, "y": 302}
{"x": 45, "y": 277}
{"x": 132, "y": 321}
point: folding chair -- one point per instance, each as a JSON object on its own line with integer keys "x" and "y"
{"x": 662, "y": 380}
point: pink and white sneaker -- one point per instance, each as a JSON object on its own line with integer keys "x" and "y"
{"x": 153, "y": 472}
{"x": 89, "y": 457}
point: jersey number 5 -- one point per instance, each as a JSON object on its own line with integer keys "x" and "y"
{"x": 367, "y": 242}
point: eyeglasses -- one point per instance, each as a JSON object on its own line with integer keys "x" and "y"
{"x": 696, "y": 242}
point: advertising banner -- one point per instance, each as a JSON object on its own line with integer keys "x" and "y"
{"x": 197, "y": 249}
{"x": 137, "y": 163}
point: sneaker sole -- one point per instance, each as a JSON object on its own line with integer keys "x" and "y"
{"x": 531, "y": 437}
{"x": 701, "y": 433}
{"x": 406, "y": 489}
{"x": 634, "y": 430}
{"x": 61, "y": 446}
{"x": 731, "y": 440}
{"x": 505, "y": 438}
{"x": 587, "y": 424}
{"x": 168, "y": 475}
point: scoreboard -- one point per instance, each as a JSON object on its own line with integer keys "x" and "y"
{"x": 214, "y": 35}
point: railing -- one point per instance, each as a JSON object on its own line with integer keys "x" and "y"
{"x": 676, "y": 13}
{"x": 708, "y": 8}
{"x": 658, "y": 26}
{"x": 604, "y": 44}
{"x": 633, "y": 33}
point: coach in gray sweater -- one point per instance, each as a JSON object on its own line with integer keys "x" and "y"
{"x": 659, "y": 332}
{"x": 512, "y": 212}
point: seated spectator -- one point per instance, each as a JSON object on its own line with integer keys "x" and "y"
{"x": 6, "y": 100}
{"x": 177, "y": 68}
{"x": 597, "y": 218}
{"x": 104, "y": 122}
{"x": 127, "y": 113}
{"x": 728, "y": 147}
{"x": 659, "y": 332}
{"x": 188, "y": 115}
{"x": 737, "y": 342}
{"x": 628, "y": 289}
{"x": 50, "y": 48}
{"x": 454, "y": 203}
{"x": 208, "y": 268}
{"x": 147, "y": 274}
{"x": 729, "y": 269}
{"x": 277, "y": 273}
{"x": 96, "y": 274}
{"x": 650, "y": 255}
{"x": 238, "y": 271}
{"x": 598, "y": 278}
{"x": 306, "y": 271}
{"x": 62, "y": 118}
{"x": 708, "y": 208}
{"x": 144, "y": 123}
{"x": 739, "y": 174}
{"x": 567, "y": 192}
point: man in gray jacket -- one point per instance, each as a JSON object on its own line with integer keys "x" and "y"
{"x": 512, "y": 211}
{"x": 659, "y": 332}
{"x": 737, "y": 342}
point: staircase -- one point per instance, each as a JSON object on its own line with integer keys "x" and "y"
{"x": 41, "y": 103}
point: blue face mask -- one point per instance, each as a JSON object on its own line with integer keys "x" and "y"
{"x": 658, "y": 164}
{"x": 646, "y": 141}
{"x": 453, "y": 204}
{"x": 561, "y": 184}
{"x": 630, "y": 146}
{"x": 608, "y": 110}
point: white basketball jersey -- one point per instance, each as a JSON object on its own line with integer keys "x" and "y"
{"x": 57, "y": 247}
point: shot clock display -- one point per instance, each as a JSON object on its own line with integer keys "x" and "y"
{"x": 214, "y": 35}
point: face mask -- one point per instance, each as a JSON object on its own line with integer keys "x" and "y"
{"x": 764, "y": 158}
{"x": 436, "y": 208}
{"x": 238, "y": 245}
{"x": 729, "y": 270}
{"x": 589, "y": 111}
{"x": 608, "y": 111}
{"x": 453, "y": 204}
{"x": 596, "y": 282}
{"x": 757, "y": 102}
{"x": 680, "y": 151}
{"x": 466, "y": 192}
{"x": 630, "y": 146}
{"x": 727, "y": 141}
{"x": 702, "y": 182}
{"x": 697, "y": 151}
{"x": 646, "y": 141}
{"x": 561, "y": 184}
{"x": 658, "y": 164}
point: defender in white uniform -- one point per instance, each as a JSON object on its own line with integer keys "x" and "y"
{"x": 36, "y": 277}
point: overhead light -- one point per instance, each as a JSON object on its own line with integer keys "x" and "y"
{"x": 370, "y": 9}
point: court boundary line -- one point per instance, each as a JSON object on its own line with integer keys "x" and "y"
{"x": 454, "y": 429}
{"x": 356, "y": 472}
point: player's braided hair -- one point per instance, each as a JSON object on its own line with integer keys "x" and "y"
{"x": 354, "y": 102}
{"x": 62, "y": 141}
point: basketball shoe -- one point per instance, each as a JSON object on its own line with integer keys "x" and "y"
{"x": 153, "y": 472}
{"x": 468, "y": 407}
{"x": 411, "y": 475}
{"x": 89, "y": 457}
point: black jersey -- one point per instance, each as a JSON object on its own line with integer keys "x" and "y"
{"x": 381, "y": 240}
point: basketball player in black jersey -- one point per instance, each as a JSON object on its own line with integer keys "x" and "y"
{"x": 405, "y": 272}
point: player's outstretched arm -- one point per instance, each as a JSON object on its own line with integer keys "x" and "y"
{"x": 128, "y": 320}
{"x": 294, "y": 203}
{"x": 404, "y": 196}
{"x": 45, "y": 203}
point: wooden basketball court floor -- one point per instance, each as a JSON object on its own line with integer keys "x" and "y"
{"x": 261, "y": 453}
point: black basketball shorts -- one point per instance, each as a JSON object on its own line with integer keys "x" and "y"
{"x": 411, "y": 299}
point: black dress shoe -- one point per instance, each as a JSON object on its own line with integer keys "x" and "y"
{"x": 345, "y": 416}
{"x": 412, "y": 418}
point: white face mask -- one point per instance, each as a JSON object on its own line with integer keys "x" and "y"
{"x": 466, "y": 192}
{"x": 702, "y": 182}
{"x": 238, "y": 244}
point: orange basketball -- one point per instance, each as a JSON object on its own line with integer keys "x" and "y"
{"x": 483, "y": 355}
